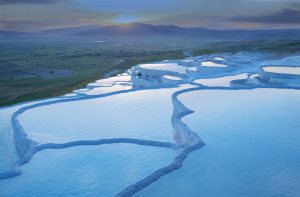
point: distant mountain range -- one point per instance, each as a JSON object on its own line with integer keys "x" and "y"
{"x": 13, "y": 33}
{"x": 140, "y": 29}
{"x": 69, "y": 30}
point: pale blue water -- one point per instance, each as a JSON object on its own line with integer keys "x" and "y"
{"x": 85, "y": 171}
{"x": 89, "y": 170}
{"x": 252, "y": 139}
{"x": 8, "y": 153}
{"x": 253, "y": 145}
{"x": 131, "y": 115}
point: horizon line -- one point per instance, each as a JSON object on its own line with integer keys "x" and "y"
{"x": 140, "y": 23}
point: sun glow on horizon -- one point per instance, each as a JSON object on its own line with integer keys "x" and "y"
{"x": 125, "y": 19}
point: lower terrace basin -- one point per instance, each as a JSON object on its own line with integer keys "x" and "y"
{"x": 289, "y": 76}
{"x": 121, "y": 115}
{"x": 86, "y": 171}
{"x": 281, "y": 72}
{"x": 252, "y": 139}
{"x": 8, "y": 153}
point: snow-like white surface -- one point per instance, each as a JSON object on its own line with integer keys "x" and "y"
{"x": 251, "y": 136}
{"x": 212, "y": 64}
{"x": 193, "y": 69}
{"x": 7, "y": 147}
{"x": 172, "y": 77}
{"x": 110, "y": 81}
{"x": 105, "y": 90}
{"x": 221, "y": 81}
{"x": 254, "y": 76}
{"x": 284, "y": 70}
{"x": 170, "y": 67}
{"x": 219, "y": 58}
{"x": 187, "y": 60}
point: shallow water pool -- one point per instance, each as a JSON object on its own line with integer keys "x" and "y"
{"x": 253, "y": 144}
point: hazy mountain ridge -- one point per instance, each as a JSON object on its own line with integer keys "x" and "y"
{"x": 69, "y": 30}
{"x": 13, "y": 33}
{"x": 140, "y": 29}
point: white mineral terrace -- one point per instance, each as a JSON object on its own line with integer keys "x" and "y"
{"x": 212, "y": 64}
{"x": 220, "y": 81}
{"x": 188, "y": 60}
{"x": 172, "y": 77}
{"x": 122, "y": 135}
{"x": 192, "y": 69}
{"x": 172, "y": 67}
{"x": 283, "y": 70}
{"x": 219, "y": 58}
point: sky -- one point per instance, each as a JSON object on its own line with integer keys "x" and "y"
{"x": 36, "y": 15}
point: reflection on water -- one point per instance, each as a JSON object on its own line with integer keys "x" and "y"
{"x": 252, "y": 149}
{"x": 172, "y": 77}
{"x": 221, "y": 81}
{"x": 219, "y": 58}
{"x": 173, "y": 67}
{"x": 281, "y": 69}
{"x": 212, "y": 64}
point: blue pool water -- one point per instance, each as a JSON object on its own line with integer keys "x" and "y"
{"x": 85, "y": 171}
{"x": 252, "y": 149}
{"x": 124, "y": 141}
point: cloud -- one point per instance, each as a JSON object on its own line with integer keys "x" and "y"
{"x": 285, "y": 16}
{"x": 39, "y": 14}
{"x": 7, "y": 2}
{"x": 57, "y": 17}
